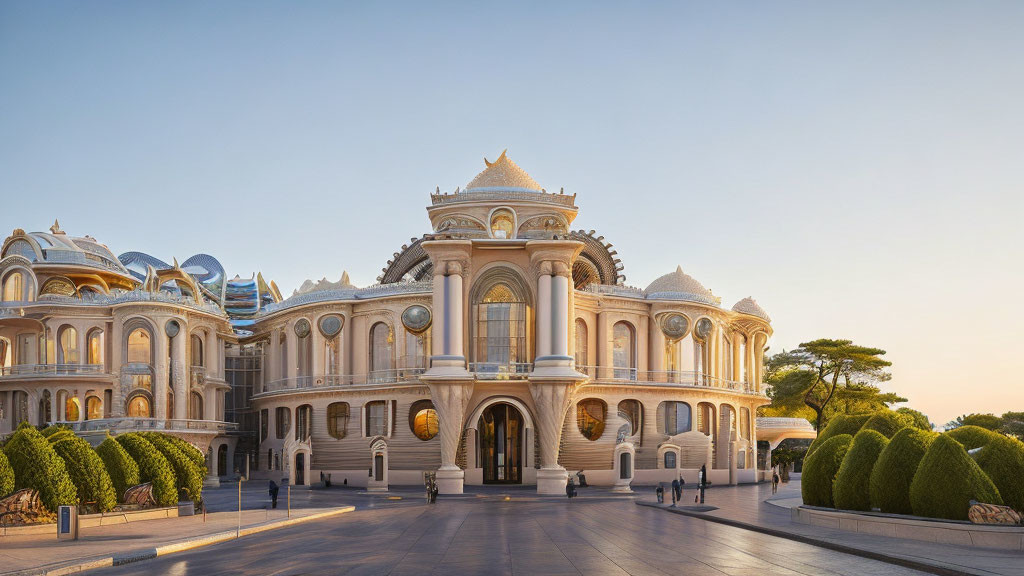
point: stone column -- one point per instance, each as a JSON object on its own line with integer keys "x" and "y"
{"x": 292, "y": 370}
{"x": 450, "y": 399}
{"x": 603, "y": 358}
{"x": 161, "y": 371}
{"x": 544, "y": 312}
{"x": 734, "y": 448}
{"x": 80, "y": 393}
{"x": 551, "y": 400}
{"x": 656, "y": 349}
{"x": 181, "y": 375}
{"x": 55, "y": 414}
{"x": 553, "y": 313}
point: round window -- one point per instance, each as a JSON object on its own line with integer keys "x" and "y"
{"x": 416, "y": 318}
{"x": 331, "y": 325}
{"x": 172, "y": 328}
{"x": 702, "y": 330}
{"x": 674, "y": 326}
{"x": 302, "y": 328}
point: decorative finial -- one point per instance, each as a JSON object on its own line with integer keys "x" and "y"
{"x": 561, "y": 190}
{"x": 55, "y": 229}
{"x": 344, "y": 278}
{"x": 437, "y": 190}
{"x": 679, "y": 269}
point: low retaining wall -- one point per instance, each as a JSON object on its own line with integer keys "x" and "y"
{"x": 893, "y": 526}
{"x": 93, "y": 520}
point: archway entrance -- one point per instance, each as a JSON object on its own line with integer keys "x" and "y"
{"x": 501, "y": 444}
{"x": 222, "y": 460}
{"x": 300, "y": 469}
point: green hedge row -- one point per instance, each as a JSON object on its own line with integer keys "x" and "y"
{"x": 839, "y": 425}
{"x": 193, "y": 453}
{"x": 87, "y": 471}
{"x": 820, "y": 470}
{"x": 888, "y": 423}
{"x": 189, "y": 476}
{"x": 124, "y": 472}
{"x": 6, "y": 476}
{"x": 851, "y": 490}
{"x": 36, "y": 465}
{"x": 1002, "y": 460}
{"x": 947, "y": 479}
{"x": 894, "y": 470}
{"x": 153, "y": 467}
{"x": 972, "y": 436}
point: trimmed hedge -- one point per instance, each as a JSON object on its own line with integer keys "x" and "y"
{"x": 36, "y": 465}
{"x": 6, "y": 476}
{"x": 947, "y": 479}
{"x": 124, "y": 472}
{"x": 894, "y": 470}
{"x": 1002, "y": 460}
{"x": 852, "y": 488}
{"x": 193, "y": 453}
{"x": 88, "y": 473}
{"x": 153, "y": 467}
{"x": 841, "y": 424}
{"x": 888, "y": 423}
{"x": 54, "y": 428}
{"x": 57, "y": 435}
{"x": 189, "y": 476}
{"x": 820, "y": 471}
{"x": 972, "y": 436}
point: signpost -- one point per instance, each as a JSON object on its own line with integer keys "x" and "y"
{"x": 67, "y": 523}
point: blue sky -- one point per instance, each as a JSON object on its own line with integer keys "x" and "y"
{"x": 856, "y": 167}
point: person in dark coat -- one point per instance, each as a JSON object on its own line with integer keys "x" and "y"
{"x": 675, "y": 491}
{"x": 274, "y": 489}
{"x": 570, "y": 488}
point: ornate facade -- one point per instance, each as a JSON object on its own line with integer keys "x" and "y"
{"x": 501, "y": 347}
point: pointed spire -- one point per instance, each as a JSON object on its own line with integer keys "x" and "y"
{"x": 55, "y": 229}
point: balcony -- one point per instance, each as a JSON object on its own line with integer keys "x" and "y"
{"x": 36, "y": 370}
{"x": 500, "y": 371}
{"x": 671, "y": 378}
{"x": 136, "y": 424}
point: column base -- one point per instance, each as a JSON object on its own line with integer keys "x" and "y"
{"x": 450, "y": 481}
{"x": 622, "y": 488}
{"x": 551, "y": 481}
{"x": 211, "y": 481}
{"x": 559, "y": 367}
{"x": 448, "y": 367}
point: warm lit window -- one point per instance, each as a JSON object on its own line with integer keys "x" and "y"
{"x": 423, "y": 419}
{"x": 590, "y": 416}
{"x": 139, "y": 349}
{"x": 337, "y": 419}
{"x": 501, "y": 327}
{"x": 376, "y": 418}
{"x": 93, "y": 408}
{"x": 14, "y": 287}
{"x": 502, "y": 224}
{"x": 138, "y": 407}
{"x": 283, "y": 422}
{"x": 71, "y": 410}
{"x": 381, "y": 357}
{"x": 68, "y": 345}
{"x": 95, "y": 345}
{"x": 675, "y": 417}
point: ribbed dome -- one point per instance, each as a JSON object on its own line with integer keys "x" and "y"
{"x": 679, "y": 285}
{"x": 750, "y": 306}
{"x": 503, "y": 174}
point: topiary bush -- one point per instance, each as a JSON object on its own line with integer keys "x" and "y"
{"x": 820, "y": 471}
{"x": 88, "y": 473}
{"x": 894, "y": 470}
{"x": 36, "y": 465}
{"x": 947, "y": 479}
{"x": 852, "y": 488}
{"x": 58, "y": 435}
{"x": 841, "y": 424}
{"x": 972, "y": 436}
{"x": 193, "y": 453}
{"x": 1002, "y": 460}
{"x": 153, "y": 467}
{"x": 123, "y": 471}
{"x": 6, "y": 476}
{"x": 54, "y": 428}
{"x": 189, "y": 476}
{"x": 888, "y": 423}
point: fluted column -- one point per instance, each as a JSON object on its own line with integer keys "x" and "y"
{"x": 161, "y": 371}
{"x": 552, "y": 327}
{"x": 544, "y": 313}
{"x": 603, "y": 360}
{"x": 181, "y": 375}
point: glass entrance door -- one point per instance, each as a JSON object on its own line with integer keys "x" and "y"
{"x": 501, "y": 441}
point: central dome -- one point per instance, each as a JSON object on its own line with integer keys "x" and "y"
{"x": 503, "y": 174}
{"x": 679, "y": 285}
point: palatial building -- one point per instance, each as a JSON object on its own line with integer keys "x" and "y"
{"x": 501, "y": 347}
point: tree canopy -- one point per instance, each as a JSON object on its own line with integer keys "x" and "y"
{"x": 1010, "y": 423}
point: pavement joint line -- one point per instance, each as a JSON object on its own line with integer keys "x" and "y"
{"x": 180, "y": 546}
{"x": 871, "y": 555}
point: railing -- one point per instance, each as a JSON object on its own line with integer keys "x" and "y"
{"x": 775, "y": 422}
{"x": 500, "y": 371}
{"x": 51, "y": 369}
{"x": 665, "y": 378}
{"x": 128, "y": 424}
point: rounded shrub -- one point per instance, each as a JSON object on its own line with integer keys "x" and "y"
{"x": 888, "y": 423}
{"x": 193, "y": 453}
{"x": 59, "y": 434}
{"x": 851, "y": 490}
{"x": 153, "y": 467}
{"x": 841, "y": 424}
{"x": 6, "y": 476}
{"x": 947, "y": 479}
{"x": 894, "y": 470}
{"x": 123, "y": 471}
{"x": 189, "y": 476}
{"x": 972, "y": 436}
{"x": 1002, "y": 459}
{"x": 820, "y": 471}
{"x": 88, "y": 473}
{"x": 53, "y": 429}
{"x": 36, "y": 465}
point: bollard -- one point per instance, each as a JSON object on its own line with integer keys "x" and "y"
{"x": 289, "y": 500}
{"x": 238, "y": 531}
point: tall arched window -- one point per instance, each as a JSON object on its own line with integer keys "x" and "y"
{"x": 632, "y": 412}
{"x": 416, "y": 349}
{"x": 93, "y": 408}
{"x": 71, "y": 409}
{"x": 303, "y": 422}
{"x": 382, "y": 340}
{"x": 674, "y": 418}
{"x": 197, "y": 350}
{"x": 706, "y": 418}
{"x": 139, "y": 407}
{"x": 304, "y": 332}
{"x": 67, "y": 348}
{"x": 195, "y": 406}
{"x": 581, "y": 343}
{"x": 337, "y": 419}
{"x": 741, "y": 373}
{"x": 745, "y": 423}
{"x": 282, "y": 346}
{"x": 423, "y": 419}
{"x": 590, "y": 417}
{"x": 623, "y": 351}
{"x": 140, "y": 350}
{"x": 283, "y": 423}
{"x": 727, "y": 357}
{"x": 94, "y": 343}
{"x": 332, "y": 357}
{"x": 14, "y": 287}
{"x": 500, "y": 338}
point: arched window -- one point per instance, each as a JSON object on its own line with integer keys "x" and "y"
{"x": 304, "y": 332}
{"x": 623, "y": 351}
{"x": 303, "y": 422}
{"x": 264, "y": 426}
{"x": 632, "y": 412}
{"x": 423, "y": 419}
{"x": 382, "y": 340}
{"x": 67, "y": 348}
{"x": 581, "y": 343}
{"x": 332, "y": 358}
{"x": 45, "y": 409}
{"x": 500, "y": 326}
{"x": 14, "y": 287}
{"x": 139, "y": 407}
{"x": 590, "y": 417}
{"x": 706, "y": 418}
{"x": 502, "y": 224}
{"x": 283, "y": 421}
{"x": 674, "y": 418}
{"x": 93, "y": 408}
{"x": 195, "y": 406}
{"x": 416, "y": 349}
{"x": 376, "y": 418}
{"x": 197, "y": 350}
{"x": 337, "y": 419}
{"x": 140, "y": 350}
{"x": 745, "y": 423}
{"x": 94, "y": 343}
{"x": 71, "y": 409}
{"x": 670, "y": 459}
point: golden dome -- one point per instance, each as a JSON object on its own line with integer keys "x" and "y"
{"x": 504, "y": 174}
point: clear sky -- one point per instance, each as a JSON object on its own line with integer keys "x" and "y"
{"x": 857, "y": 167}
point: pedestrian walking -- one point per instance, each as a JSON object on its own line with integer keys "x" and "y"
{"x": 675, "y": 491}
{"x": 660, "y": 492}
{"x": 775, "y": 481}
{"x": 570, "y": 489}
{"x": 679, "y": 492}
{"x": 274, "y": 489}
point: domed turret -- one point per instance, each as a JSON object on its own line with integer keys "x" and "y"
{"x": 679, "y": 285}
{"x": 503, "y": 174}
{"x": 750, "y": 306}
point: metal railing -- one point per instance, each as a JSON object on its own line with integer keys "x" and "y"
{"x": 129, "y": 424}
{"x": 680, "y": 378}
{"x": 500, "y": 371}
{"x": 51, "y": 369}
{"x": 775, "y": 422}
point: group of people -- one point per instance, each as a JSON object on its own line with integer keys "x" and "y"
{"x": 677, "y": 488}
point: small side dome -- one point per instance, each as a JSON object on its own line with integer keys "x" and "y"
{"x": 679, "y": 285}
{"x": 750, "y": 306}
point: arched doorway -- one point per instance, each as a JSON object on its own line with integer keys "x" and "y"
{"x": 501, "y": 444}
{"x": 222, "y": 460}
{"x": 300, "y": 469}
